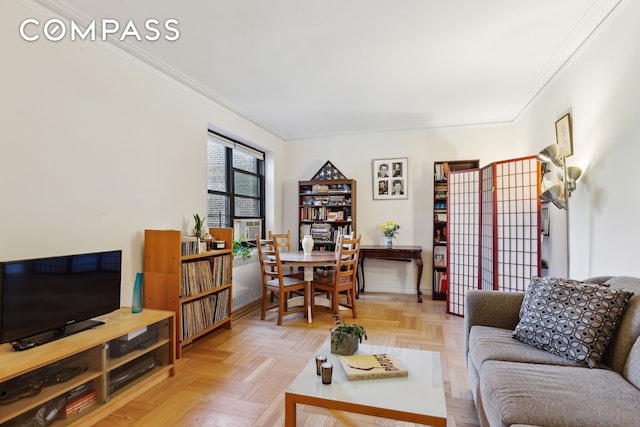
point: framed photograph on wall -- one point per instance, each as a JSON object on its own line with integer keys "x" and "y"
{"x": 563, "y": 135}
{"x": 544, "y": 217}
{"x": 390, "y": 178}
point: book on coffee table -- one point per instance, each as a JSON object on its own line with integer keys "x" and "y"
{"x": 366, "y": 366}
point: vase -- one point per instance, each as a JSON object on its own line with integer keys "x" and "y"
{"x": 136, "y": 304}
{"x": 307, "y": 244}
{"x": 389, "y": 241}
{"x": 348, "y": 345}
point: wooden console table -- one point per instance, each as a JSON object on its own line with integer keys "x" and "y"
{"x": 395, "y": 253}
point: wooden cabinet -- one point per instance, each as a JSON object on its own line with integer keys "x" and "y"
{"x": 195, "y": 285}
{"x": 440, "y": 218}
{"x": 103, "y": 368}
{"x": 327, "y": 209}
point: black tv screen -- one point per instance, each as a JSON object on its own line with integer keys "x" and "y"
{"x": 54, "y": 294}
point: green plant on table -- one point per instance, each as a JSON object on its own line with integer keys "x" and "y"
{"x": 239, "y": 248}
{"x": 341, "y": 328}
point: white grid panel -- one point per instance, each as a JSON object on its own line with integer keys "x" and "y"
{"x": 463, "y": 245}
{"x": 517, "y": 227}
{"x": 487, "y": 235}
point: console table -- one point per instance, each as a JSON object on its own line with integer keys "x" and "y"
{"x": 395, "y": 253}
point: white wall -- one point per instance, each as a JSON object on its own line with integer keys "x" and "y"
{"x": 600, "y": 88}
{"x": 353, "y": 156}
{"x": 96, "y": 147}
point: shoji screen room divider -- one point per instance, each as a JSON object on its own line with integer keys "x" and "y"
{"x": 494, "y": 228}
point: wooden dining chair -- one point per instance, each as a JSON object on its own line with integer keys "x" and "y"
{"x": 283, "y": 241}
{"x": 340, "y": 284}
{"x": 274, "y": 282}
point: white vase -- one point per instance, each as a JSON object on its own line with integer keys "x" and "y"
{"x": 389, "y": 241}
{"x": 307, "y": 244}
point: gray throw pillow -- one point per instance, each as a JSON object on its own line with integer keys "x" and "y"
{"x": 571, "y": 319}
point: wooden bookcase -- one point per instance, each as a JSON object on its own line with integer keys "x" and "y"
{"x": 88, "y": 361}
{"x": 327, "y": 208}
{"x": 440, "y": 217}
{"x": 195, "y": 286}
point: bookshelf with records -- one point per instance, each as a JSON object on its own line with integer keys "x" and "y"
{"x": 195, "y": 283}
{"x": 441, "y": 171}
{"x": 327, "y": 209}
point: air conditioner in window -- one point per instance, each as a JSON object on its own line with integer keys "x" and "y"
{"x": 247, "y": 229}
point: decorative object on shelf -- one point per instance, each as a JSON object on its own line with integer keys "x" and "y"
{"x": 328, "y": 172}
{"x": 199, "y": 225}
{"x": 239, "y": 248}
{"x": 136, "y": 304}
{"x": 345, "y": 338}
{"x": 307, "y": 244}
{"x": 389, "y": 231}
{"x": 390, "y": 178}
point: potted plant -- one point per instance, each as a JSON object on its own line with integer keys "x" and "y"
{"x": 239, "y": 248}
{"x": 345, "y": 338}
{"x": 199, "y": 224}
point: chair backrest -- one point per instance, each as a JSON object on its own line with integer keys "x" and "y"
{"x": 283, "y": 240}
{"x": 347, "y": 267}
{"x": 270, "y": 265}
{"x": 340, "y": 238}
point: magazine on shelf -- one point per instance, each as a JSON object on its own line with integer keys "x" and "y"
{"x": 366, "y": 366}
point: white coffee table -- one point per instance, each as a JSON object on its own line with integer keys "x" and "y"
{"x": 417, "y": 398}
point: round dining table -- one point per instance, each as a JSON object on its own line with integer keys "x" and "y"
{"x": 309, "y": 262}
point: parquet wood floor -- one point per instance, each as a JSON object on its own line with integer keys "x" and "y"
{"x": 237, "y": 377}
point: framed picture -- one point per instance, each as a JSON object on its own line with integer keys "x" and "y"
{"x": 390, "y": 178}
{"x": 544, "y": 217}
{"x": 563, "y": 135}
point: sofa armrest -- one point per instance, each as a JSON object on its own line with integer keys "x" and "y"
{"x": 499, "y": 309}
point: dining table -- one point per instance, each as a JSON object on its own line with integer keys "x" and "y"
{"x": 309, "y": 262}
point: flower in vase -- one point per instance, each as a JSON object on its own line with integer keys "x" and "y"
{"x": 389, "y": 229}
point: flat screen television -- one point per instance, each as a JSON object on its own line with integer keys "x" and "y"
{"x": 44, "y": 299}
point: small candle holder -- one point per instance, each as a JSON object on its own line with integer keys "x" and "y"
{"x": 327, "y": 372}
{"x": 320, "y": 359}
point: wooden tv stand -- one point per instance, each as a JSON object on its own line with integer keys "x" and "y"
{"x": 91, "y": 349}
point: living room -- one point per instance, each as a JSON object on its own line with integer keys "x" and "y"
{"x": 99, "y": 146}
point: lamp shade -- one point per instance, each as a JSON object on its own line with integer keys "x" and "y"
{"x": 551, "y": 154}
{"x": 573, "y": 173}
{"x": 554, "y": 195}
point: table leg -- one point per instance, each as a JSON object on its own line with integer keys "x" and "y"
{"x": 289, "y": 411}
{"x": 419, "y": 264}
{"x": 308, "y": 276}
{"x": 361, "y": 268}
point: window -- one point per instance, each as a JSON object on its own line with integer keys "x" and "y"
{"x": 235, "y": 185}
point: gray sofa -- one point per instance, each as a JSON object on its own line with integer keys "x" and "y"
{"x": 516, "y": 384}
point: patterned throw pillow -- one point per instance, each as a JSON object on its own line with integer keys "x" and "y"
{"x": 572, "y": 319}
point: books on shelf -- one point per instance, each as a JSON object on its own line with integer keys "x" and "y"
{"x": 440, "y": 256}
{"x": 205, "y": 275}
{"x": 76, "y": 403}
{"x": 203, "y": 313}
{"x": 366, "y": 366}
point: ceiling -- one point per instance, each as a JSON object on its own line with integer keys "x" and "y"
{"x": 309, "y": 68}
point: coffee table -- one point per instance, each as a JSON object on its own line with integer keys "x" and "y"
{"x": 417, "y": 398}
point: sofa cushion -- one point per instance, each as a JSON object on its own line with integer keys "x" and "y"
{"x": 628, "y": 328}
{"x": 546, "y": 395}
{"x": 489, "y": 343}
{"x": 572, "y": 319}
